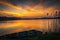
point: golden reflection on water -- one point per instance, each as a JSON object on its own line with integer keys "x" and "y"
{"x": 7, "y": 27}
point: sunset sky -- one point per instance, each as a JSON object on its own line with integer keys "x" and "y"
{"x": 28, "y": 8}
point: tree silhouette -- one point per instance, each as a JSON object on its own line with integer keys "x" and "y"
{"x": 59, "y": 14}
{"x": 56, "y": 13}
{"x": 47, "y": 14}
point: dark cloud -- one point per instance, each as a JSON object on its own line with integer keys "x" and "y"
{"x": 45, "y": 3}
{"x": 55, "y": 3}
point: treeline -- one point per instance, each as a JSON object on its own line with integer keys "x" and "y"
{"x": 8, "y": 18}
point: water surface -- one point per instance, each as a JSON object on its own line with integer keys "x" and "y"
{"x": 7, "y": 27}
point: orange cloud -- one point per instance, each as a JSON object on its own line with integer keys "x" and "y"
{"x": 27, "y": 11}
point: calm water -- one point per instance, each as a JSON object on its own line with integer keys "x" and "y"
{"x": 43, "y": 25}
